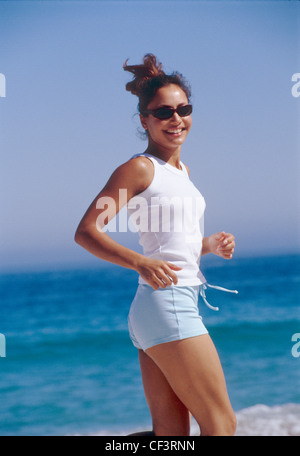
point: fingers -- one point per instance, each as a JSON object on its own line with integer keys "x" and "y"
{"x": 227, "y": 245}
{"x": 163, "y": 275}
{"x": 173, "y": 266}
{"x": 220, "y": 236}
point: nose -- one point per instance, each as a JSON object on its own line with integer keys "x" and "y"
{"x": 176, "y": 118}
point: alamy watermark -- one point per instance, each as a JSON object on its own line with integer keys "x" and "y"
{"x": 2, "y": 346}
{"x": 2, "y": 86}
{"x": 296, "y": 87}
{"x": 157, "y": 214}
{"x": 296, "y": 346}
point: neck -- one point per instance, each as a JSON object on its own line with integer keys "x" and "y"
{"x": 170, "y": 156}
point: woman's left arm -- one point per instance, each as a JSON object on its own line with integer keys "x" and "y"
{"x": 221, "y": 244}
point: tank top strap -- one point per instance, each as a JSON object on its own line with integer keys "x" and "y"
{"x": 151, "y": 157}
{"x": 161, "y": 164}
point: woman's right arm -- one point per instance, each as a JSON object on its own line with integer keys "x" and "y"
{"x": 133, "y": 176}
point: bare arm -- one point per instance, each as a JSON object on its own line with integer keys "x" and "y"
{"x": 132, "y": 178}
{"x": 106, "y": 205}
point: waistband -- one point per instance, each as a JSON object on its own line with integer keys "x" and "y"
{"x": 206, "y": 285}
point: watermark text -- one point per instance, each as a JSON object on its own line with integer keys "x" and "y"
{"x": 296, "y": 346}
{"x": 296, "y": 87}
{"x": 158, "y": 214}
{"x": 2, "y": 346}
{"x": 2, "y": 86}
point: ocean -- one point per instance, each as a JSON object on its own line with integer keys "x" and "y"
{"x": 71, "y": 369}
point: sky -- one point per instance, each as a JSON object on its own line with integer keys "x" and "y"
{"x": 67, "y": 122}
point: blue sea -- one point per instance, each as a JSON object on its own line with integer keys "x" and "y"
{"x": 71, "y": 369}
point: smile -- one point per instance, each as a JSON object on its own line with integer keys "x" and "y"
{"x": 174, "y": 131}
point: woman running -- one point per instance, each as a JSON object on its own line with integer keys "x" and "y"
{"x": 180, "y": 367}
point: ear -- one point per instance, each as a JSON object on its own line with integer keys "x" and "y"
{"x": 143, "y": 121}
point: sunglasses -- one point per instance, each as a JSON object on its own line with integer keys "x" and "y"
{"x": 167, "y": 113}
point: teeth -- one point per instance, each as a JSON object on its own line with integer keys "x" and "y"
{"x": 175, "y": 131}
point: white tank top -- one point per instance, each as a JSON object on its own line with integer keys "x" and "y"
{"x": 169, "y": 218}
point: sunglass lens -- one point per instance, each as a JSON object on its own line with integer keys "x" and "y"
{"x": 167, "y": 113}
{"x": 163, "y": 113}
{"x": 184, "y": 111}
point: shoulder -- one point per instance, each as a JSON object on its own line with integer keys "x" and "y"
{"x": 139, "y": 168}
{"x": 136, "y": 174}
{"x": 140, "y": 163}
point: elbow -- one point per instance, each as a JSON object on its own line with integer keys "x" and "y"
{"x": 76, "y": 237}
{"x": 79, "y": 236}
{"x": 84, "y": 234}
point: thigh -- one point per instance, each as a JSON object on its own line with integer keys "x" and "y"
{"x": 169, "y": 414}
{"x": 193, "y": 370}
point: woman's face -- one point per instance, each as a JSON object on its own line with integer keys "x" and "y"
{"x": 169, "y": 133}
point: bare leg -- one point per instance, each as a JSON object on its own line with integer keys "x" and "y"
{"x": 170, "y": 417}
{"x": 193, "y": 371}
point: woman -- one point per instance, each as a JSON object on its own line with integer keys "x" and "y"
{"x": 180, "y": 367}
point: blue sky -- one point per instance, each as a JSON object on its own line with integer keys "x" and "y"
{"x": 67, "y": 122}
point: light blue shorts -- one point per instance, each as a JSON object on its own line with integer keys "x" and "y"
{"x": 164, "y": 315}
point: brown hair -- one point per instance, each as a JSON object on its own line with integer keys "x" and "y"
{"x": 149, "y": 77}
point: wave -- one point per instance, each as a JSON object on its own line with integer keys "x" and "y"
{"x": 261, "y": 420}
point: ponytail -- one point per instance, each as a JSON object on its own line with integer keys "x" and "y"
{"x": 148, "y": 70}
{"x": 148, "y": 78}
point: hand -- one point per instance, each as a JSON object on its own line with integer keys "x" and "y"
{"x": 221, "y": 244}
{"x": 158, "y": 273}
